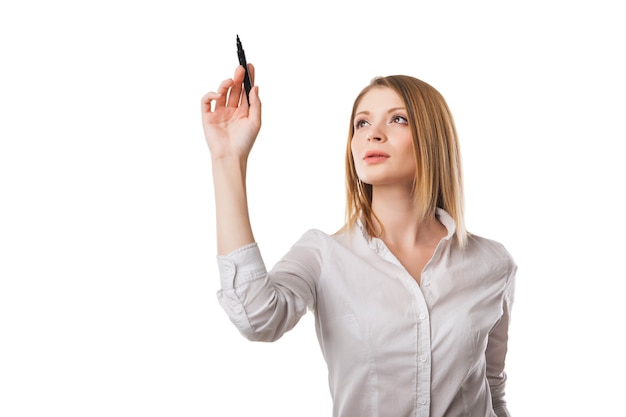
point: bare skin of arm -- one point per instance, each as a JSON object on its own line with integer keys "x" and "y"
{"x": 230, "y": 129}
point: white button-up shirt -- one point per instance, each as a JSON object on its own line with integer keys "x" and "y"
{"x": 393, "y": 348}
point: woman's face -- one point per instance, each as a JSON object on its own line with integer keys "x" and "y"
{"x": 382, "y": 145}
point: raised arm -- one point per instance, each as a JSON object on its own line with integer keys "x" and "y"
{"x": 230, "y": 129}
{"x": 263, "y": 307}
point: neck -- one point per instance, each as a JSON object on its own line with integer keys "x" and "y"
{"x": 400, "y": 220}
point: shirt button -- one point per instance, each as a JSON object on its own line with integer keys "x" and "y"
{"x": 422, "y": 358}
{"x": 422, "y": 316}
{"x": 228, "y": 269}
{"x": 423, "y": 402}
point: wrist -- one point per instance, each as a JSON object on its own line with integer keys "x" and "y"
{"x": 229, "y": 167}
{"x": 229, "y": 160}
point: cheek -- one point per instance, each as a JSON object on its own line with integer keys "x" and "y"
{"x": 354, "y": 148}
{"x": 353, "y": 145}
{"x": 407, "y": 147}
{"x": 408, "y": 158}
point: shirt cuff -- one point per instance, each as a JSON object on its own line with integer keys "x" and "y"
{"x": 241, "y": 266}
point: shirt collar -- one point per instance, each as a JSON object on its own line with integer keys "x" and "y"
{"x": 378, "y": 246}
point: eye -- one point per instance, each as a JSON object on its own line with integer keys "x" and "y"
{"x": 360, "y": 123}
{"x": 399, "y": 119}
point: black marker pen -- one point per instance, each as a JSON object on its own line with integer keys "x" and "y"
{"x": 247, "y": 84}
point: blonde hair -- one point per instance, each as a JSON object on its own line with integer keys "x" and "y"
{"x": 438, "y": 176}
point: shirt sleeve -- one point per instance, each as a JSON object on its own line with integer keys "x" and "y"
{"x": 497, "y": 349}
{"x": 265, "y": 305}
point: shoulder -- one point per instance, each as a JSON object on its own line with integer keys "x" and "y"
{"x": 314, "y": 235}
{"x": 490, "y": 262}
{"x": 313, "y": 239}
{"x": 490, "y": 252}
{"x": 489, "y": 246}
{"x": 312, "y": 250}
{"x": 336, "y": 244}
{"x": 320, "y": 238}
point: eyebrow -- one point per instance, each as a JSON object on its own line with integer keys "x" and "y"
{"x": 388, "y": 111}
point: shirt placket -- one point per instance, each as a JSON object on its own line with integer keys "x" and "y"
{"x": 423, "y": 352}
{"x": 422, "y": 337}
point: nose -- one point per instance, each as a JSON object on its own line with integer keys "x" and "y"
{"x": 375, "y": 135}
{"x": 375, "y": 138}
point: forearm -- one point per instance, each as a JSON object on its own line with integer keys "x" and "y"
{"x": 231, "y": 204}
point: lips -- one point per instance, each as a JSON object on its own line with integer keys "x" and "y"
{"x": 375, "y": 156}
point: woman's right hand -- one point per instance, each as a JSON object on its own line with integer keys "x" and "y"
{"x": 230, "y": 124}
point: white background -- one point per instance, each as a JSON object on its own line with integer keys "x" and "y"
{"x": 107, "y": 237}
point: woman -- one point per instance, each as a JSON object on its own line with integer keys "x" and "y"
{"x": 412, "y": 312}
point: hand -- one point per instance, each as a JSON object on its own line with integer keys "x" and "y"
{"x": 231, "y": 126}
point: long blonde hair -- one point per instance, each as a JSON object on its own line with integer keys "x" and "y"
{"x": 438, "y": 174}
